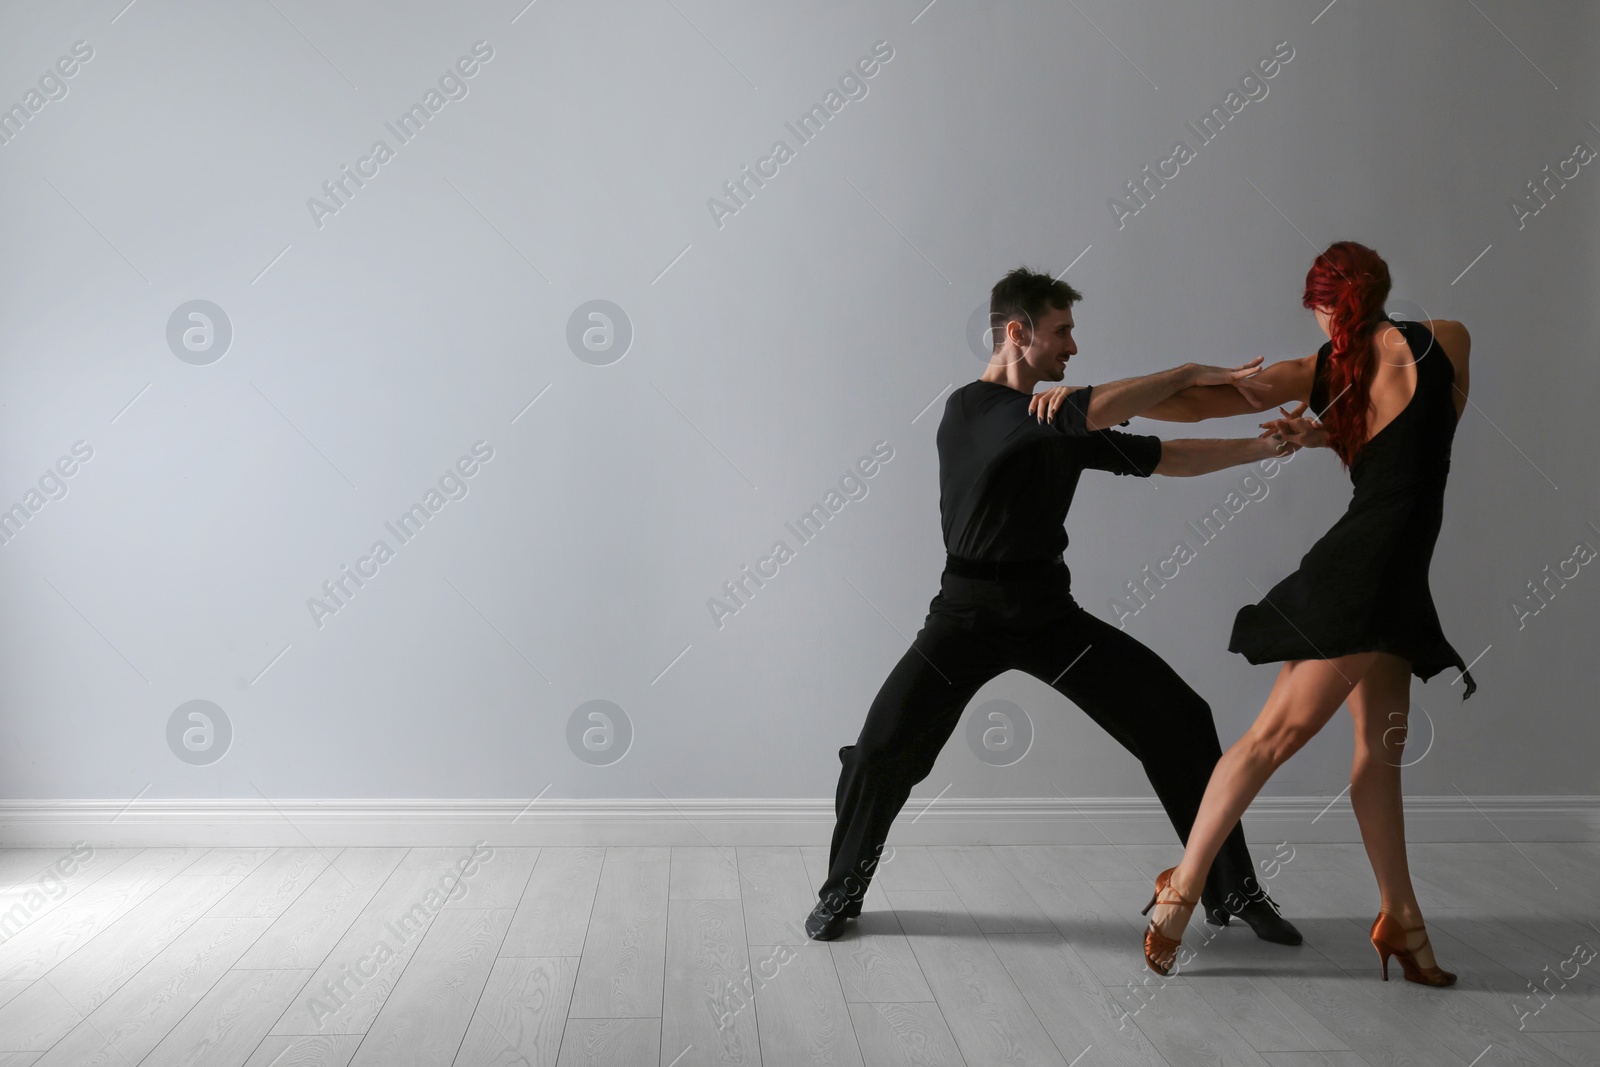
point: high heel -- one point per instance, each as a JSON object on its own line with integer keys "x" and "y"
{"x": 1389, "y": 938}
{"x": 1160, "y": 951}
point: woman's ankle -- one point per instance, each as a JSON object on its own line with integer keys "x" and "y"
{"x": 1182, "y": 887}
{"x": 1407, "y": 915}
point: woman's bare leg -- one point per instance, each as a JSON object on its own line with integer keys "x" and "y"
{"x": 1380, "y": 705}
{"x": 1304, "y": 697}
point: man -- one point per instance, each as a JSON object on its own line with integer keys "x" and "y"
{"x": 1008, "y": 467}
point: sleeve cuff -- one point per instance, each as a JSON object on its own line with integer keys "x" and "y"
{"x": 1140, "y": 454}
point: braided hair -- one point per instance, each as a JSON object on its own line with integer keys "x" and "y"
{"x": 1349, "y": 281}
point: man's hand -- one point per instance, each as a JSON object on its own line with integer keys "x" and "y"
{"x": 1293, "y": 428}
{"x": 1241, "y": 378}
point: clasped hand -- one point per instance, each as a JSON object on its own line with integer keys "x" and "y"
{"x": 1296, "y": 430}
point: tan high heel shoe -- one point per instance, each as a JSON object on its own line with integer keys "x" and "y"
{"x": 1389, "y": 938}
{"x": 1160, "y": 951}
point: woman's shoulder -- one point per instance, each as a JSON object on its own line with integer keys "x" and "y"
{"x": 1452, "y": 335}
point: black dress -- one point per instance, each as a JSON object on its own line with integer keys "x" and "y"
{"x": 1364, "y": 585}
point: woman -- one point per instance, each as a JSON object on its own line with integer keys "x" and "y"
{"x": 1356, "y": 620}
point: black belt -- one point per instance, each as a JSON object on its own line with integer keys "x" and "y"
{"x": 1003, "y": 570}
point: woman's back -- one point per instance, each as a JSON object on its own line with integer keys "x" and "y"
{"x": 1395, "y": 363}
{"x": 1414, "y": 405}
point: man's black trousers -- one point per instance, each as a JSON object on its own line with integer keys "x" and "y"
{"x": 976, "y": 628}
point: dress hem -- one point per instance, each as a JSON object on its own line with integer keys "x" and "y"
{"x": 1423, "y": 673}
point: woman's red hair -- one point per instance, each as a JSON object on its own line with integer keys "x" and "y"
{"x": 1350, "y": 281}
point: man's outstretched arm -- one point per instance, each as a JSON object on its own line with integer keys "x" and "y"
{"x": 1186, "y": 457}
{"x": 1116, "y": 402}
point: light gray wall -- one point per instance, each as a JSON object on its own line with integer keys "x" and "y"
{"x": 771, "y": 351}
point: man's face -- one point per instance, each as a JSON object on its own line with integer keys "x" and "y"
{"x": 1047, "y": 347}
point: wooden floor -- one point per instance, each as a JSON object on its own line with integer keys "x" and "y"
{"x": 974, "y": 955}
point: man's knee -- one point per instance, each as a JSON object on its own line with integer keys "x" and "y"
{"x": 1197, "y": 708}
{"x": 1190, "y": 719}
{"x": 894, "y": 767}
{"x": 873, "y": 757}
{"x": 1159, "y": 686}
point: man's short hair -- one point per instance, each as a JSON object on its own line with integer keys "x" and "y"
{"x": 1024, "y": 295}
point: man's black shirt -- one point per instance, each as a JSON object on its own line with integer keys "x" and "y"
{"x": 1006, "y": 479}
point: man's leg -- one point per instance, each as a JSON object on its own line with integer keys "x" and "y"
{"x": 1153, "y": 713}
{"x": 914, "y": 713}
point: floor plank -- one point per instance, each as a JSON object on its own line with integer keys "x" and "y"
{"x": 275, "y": 883}
{"x": 333, "y": 1051}
{"x": 874, "y": 960}
{"x": 776, "y": 894}
{"x": 423, "y": 1022}
{"x": 708, "y": 993}
{"x": 54, "y": 937}
{"x": 989, "y": 1017}
{"x": 87, "y": 978}
{"x": 227, "y": 1025}
{"x": 611, "y": 1042}
{"x": 1264, "y": 1015}
{"x": 304, "y": 933}
{"x": 1186, "y": 1030}
{"x": 556, "y": 905}
{"x": 1077, "y": 1010}
{"x": 492, "y": 878}
{"x": 907, "y": 1034}
{"x": 1104, "y": 934}
{"x": 704, "y": 873}
{"x": 1580, "y": 1050}
{"x": 625, "y": 948}
{"x": 802, "y": 1017}
{"x": 522, "y": 1012}
{"x": 135, "y": 1019}
{"x": 996, "y": 901}
{"x": 351, "y": 984}
{"x": 64, "y": 876}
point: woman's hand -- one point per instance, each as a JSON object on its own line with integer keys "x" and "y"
{"x": 1242, "y": 378}
{"x": 1297, "y": 430}
{"x": 1044, "y": 405}
{"x": 1277, "y": 445}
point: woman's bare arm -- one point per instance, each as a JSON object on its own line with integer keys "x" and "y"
{"x": 1284, "y": 381}
{"x": 1115, "y": 402}
{"x": 1457, "y": 345}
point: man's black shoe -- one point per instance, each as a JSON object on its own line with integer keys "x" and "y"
{"x": 1263, "y": 917}
{"x": 825, "y": 925}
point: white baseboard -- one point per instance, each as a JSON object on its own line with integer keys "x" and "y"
{"x": 655, "y": 821}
